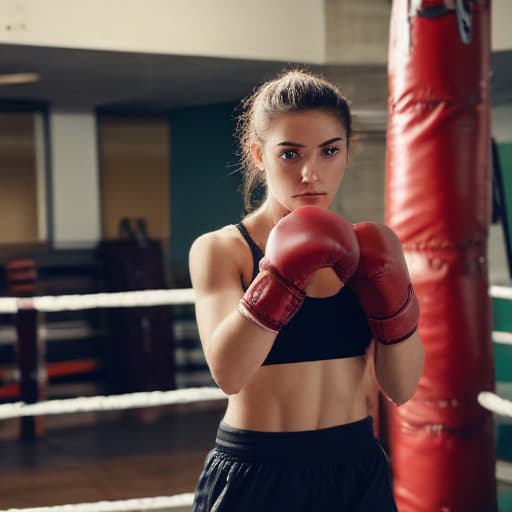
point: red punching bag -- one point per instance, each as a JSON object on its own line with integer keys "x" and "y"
{"x": 438, "y": 202}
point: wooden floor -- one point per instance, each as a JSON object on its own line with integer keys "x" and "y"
{"x": 112, "y": 460}
{"x": 116, "y": 459}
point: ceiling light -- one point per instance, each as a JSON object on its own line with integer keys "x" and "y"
{"x": 19, "y": 78}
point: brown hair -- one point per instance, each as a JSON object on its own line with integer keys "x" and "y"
{"x": 294, "y": 90}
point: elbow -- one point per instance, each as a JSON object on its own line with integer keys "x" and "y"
{"x": 400, "y": 397}
{"x": 230, "y": 383}
{"x": 228, "y": 386}
{"x": 401, "y": 391}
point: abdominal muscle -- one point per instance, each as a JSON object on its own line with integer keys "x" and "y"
{"x": 304, "y": 396}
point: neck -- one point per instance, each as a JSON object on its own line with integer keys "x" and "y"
{"x": 272, "y": 212}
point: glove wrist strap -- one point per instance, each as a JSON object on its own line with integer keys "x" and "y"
{"x": 399, "y": 326}
{"x": 271, "y": 301}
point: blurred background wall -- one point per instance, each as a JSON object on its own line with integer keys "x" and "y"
{"x": 133, "y": 109}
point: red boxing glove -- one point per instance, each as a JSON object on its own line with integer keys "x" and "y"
{"x": 304, "y": 241}
{"x": 383, "y": 285}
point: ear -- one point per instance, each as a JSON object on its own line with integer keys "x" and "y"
{"x": 257, "y": 155}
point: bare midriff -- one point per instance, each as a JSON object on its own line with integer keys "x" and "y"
{"x": 307, "y": 395}
{"x": 303, "y": 396}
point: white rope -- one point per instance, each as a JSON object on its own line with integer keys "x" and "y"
{"x": 494, "y": 403}
{"x": 133, "y": 299}
{"x": 8, "y": 305}
{"x": 504, "y": 471}
{"x": 159, "y": 502}
{"x": 111, "y": 402}
{"x": 502, "y": 337}
{"x": 99, "y": 300}
{"x": 500, "y": 292}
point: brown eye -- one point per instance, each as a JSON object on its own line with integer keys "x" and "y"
{"x": 332, "y": 150}
{"x": 288, "y": 154}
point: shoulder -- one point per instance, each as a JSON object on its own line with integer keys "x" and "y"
{"x": 223, "y": 241}
{"x": 218, "y": 252}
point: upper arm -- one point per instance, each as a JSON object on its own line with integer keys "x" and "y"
{"x": 216, "y": 279}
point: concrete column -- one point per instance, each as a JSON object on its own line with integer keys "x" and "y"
{"x": 75, "y": 181}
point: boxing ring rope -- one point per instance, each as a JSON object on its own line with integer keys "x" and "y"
{"x": 111, "y": 402}
{"x": 488, "y": 400}
{"x": 500, "y": 292}
{"x": 53, "y": 303}
{"x": 494, "y": 403}
{"x": 156, "y": 503}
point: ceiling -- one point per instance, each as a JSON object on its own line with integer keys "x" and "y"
{"x": 91, "y": 79}
{"x": 85, "y": 79}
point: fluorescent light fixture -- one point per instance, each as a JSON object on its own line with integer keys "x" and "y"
{"x": 19, "y": 78}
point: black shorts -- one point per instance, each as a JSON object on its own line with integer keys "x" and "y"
{"x": 340, "y": 468}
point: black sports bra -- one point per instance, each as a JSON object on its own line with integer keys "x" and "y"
{"x": 324, "y": 328}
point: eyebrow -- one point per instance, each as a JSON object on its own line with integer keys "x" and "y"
{"x": 297, "y": 145}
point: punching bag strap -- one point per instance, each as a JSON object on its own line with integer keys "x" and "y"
{"x": 462, "y": 9}
{"x": 464, "y": 19}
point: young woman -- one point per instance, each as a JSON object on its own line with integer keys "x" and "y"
{"x": 299, "y": 312}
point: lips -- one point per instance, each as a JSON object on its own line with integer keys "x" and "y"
{"x": 310, "y": 194}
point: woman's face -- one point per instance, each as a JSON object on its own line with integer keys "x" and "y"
{"x": 304, "y": 156}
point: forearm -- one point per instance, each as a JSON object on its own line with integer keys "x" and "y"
{"x": 398, "y": 368}
{"x": 236, "y": 349}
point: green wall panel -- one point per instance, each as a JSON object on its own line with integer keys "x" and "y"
{"x": 502, "y": 315}
{"x": 204, "y": 179}
{"x": 505, "y": 154}
{"x": 502, "y": 321}
{"x": 502, "y": 308}
{"x": 505, "y": 158}
{"x": 503, "y": 362}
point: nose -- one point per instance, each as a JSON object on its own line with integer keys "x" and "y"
{"x": 308, "y": 173}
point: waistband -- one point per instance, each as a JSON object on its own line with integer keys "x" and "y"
{"x": 353, "y": 438}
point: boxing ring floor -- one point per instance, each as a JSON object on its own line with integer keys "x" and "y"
{"x": 119, "y": 458}
{"x": 111, "y": 459}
